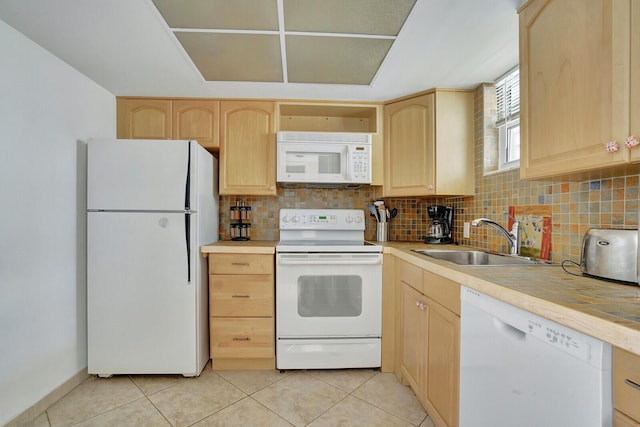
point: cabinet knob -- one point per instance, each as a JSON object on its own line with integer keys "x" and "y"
{"x": 611, "y": 146}
{"x": 430, "y": 187}
{"x": 631, "y": 142}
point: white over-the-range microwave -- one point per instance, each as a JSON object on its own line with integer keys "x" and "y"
{"x": 324, "y": 157}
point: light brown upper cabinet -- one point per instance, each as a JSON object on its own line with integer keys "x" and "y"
{"x": 198, "y": 120}
{"x": 247, "y": 148}
{"x": 428, "y": 144}
{"x": 157, "y": 118}
{"x": 579, "y": 85}
{"x": 144, "y": 118}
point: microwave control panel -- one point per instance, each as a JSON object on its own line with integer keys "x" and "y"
{"x": 360, "y": 163}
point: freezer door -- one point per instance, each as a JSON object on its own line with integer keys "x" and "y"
{"x": 142, "y": 311}
{"x": 138, "y": 174}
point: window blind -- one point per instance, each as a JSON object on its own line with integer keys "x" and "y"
{"x": 508, "y": 97}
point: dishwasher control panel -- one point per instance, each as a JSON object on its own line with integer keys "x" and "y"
{"x": 514, "y": 318}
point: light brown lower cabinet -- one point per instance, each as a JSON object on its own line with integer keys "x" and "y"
{"x": 429, "y": 348}
{"x": 621, "y": 420}
{"x": 241, "y": 310}
{"x": 626, "y": 388}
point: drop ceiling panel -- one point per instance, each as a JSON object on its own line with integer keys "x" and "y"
{"x": 234, "y": 57}
{"x": 220, "y": 14}
{"x": 380, "y": 17}
{"x": 334, "y": 60}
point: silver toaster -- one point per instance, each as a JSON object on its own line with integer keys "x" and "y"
{"x": 610, "y": 254}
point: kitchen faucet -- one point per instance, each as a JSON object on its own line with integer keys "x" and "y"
{"x": 513, "y": 237}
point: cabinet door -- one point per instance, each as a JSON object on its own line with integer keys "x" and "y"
{"x": 442, "y": 374}
{"x": 144, "y": 118}
{"x": 247, "y": 148}
{"x": 634, "y": 93}
{"x": 626, "y": 383}
{"x": 413, "y": 318}
{"x": 574, "y": 68}
{"x": 197, "y": 120}
{"x": 454, "y": 142}
{"x": 410, "y": 147}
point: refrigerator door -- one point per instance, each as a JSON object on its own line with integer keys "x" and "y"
{"x": 143, "y": 175}
{"x": 142, "y": 310}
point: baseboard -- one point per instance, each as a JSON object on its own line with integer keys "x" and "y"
{"x": 30, "y": 414}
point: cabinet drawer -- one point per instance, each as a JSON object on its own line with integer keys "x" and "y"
{"x": 443, "y": 291}
{"x": 411, "y": 275}
{"x": 621, "y": 420}
{"x": 241, "y": 264}
{"x": 242, "y": 338}
{"x": 626, "y": 383}
{"x": 249, "y": 295}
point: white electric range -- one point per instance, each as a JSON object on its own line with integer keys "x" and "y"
{"x": 328, "y": 291}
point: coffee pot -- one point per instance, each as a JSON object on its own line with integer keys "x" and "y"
{"x": 440, "y": 230}
{"x": 436, "y": 230}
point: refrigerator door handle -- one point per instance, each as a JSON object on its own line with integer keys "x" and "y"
{"x": 187, "y": 207}
{"x": 187, "y": 192}
{"x": 187, "y": 235}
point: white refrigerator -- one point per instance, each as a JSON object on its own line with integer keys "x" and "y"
{"x": 150, "y": 206}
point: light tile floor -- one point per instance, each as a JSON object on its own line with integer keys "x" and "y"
{"x": 315, "y": 398}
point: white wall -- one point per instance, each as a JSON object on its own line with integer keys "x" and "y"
{"x": 47, "y": 112}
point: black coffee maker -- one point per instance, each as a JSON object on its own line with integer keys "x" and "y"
{"x": 440, "y": 231}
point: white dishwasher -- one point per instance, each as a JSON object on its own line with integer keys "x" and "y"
{"x": 520, "y": 369}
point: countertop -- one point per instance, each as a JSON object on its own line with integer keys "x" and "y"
{"x": 608, "y": 311}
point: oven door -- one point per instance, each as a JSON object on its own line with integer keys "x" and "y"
{"x": 323, "y": 295}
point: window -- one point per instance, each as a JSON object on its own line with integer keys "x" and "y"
{"x": 508, "y": 119}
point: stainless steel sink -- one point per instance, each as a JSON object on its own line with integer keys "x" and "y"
{"x": 480, "y": 258}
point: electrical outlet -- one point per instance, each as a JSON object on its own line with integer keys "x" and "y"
{"x": 466, "y": 232}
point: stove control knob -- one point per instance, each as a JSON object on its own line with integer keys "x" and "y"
{"x": 349, "y": 219}
{"x": 285, "y": 219}
{"x": 358, "y": 219}
{"x": 295, "y": 219}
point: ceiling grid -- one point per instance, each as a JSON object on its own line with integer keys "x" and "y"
{"x": 286, "y": 41}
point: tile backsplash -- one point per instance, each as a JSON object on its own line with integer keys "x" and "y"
{"x": 575, "y": 206}
{"x": 410, "y": 224}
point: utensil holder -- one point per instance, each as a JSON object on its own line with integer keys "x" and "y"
{"x": 382, "y": 231}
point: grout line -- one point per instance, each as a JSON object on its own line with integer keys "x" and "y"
{"x": 270, "y": 410}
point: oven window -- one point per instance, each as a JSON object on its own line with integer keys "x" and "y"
{"x": 329, "y": 296}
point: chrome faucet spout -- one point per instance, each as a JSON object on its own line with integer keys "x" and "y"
{"x": 513, "y": 237}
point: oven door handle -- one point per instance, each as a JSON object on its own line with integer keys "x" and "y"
{"x": 284, "y": 260}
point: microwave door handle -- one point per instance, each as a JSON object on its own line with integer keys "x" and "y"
{"x": 345, "y": 163}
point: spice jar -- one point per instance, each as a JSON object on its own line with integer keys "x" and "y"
{"x": 235, "y": 212}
